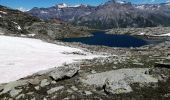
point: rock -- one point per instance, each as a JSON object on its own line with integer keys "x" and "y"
{"x": 55, "y": 89}
{"x": 34, "y": 81}
{"x": 44, "y": 83}
{"x": 14, "y": 92}
{"x": 116, "y": 87}
{"x": 88, "y": 92}
{"x": 63, "y": 72}
{"x": 44, "y": 98}
{"x": 69, "y": 91}
{"x": 93, "y": 72}
{"x": 74, "y": 88}
{"x": 130, "y": 75}
{"x": 53, "y": 82}
{"x": 37, "y": 88}
{"x": 8, "y": 87}
{"x": 21, "y": 96}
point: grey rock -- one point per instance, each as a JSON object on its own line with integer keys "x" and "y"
{"x": 74, "y": 88}
{"x": 21, "y": 96}
{"x": 14, "y": 92}
{"x": 44, "y": 83}
{"x": 37, "y": 87}
{"x": 8, "y": 87}
{"x": 55, "y": 89}
{"x": 133, "y": 75}
{"x": 88, "y": 92}
{"x": 63, "y": 72}
{"x": 116, "y": 87}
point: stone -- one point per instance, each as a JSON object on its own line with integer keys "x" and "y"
{"x": 55, "y": 89}
{"x": 74, "y": 88}
{"x": 63, "y": 72}
{"x": 8, "y": 87}
{"x": 93, "y": 72}
{"x": 14, "y": 92}
{"x": 37, "y": 88}
{"x": 44, "y": 83}
{"x": 53, "y": 82}
{"x": 21, "y": 96}
{"x": 69, "y": 91}
{"x": 34, "y": 81}
{"x": 116, "y": 87}
{"x": 131, "y": 75}
{"x": 88, "y": 92}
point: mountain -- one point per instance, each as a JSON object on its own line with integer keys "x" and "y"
{"x": 109, "y": 15}
{"x": 14, "y": 21}
{"x": 17, "y": 23}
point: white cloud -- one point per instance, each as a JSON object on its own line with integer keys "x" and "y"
{"x": 22, "y": 9}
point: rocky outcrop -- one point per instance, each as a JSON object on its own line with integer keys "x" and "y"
{"x": 119, "y": 81}
{"x": 64, "y": 72}
{"x": 116, "y": 87}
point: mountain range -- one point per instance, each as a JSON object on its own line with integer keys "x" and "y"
{"x": 111, "y": 14}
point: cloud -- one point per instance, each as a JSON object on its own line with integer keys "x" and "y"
{"x": 22, "y": 9}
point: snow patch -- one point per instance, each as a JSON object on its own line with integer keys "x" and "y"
{"x": 17, "y": 26}
{"x": 168, "y": 34}
{"x": 142, "y": 33}
{"x": 63, "y": 5}
{"x": 20, "y": 57}
{"x": 44, "y": 12}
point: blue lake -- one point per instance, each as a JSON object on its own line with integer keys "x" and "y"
{"x": 100, "y": 38}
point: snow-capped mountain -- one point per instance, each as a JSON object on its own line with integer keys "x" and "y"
{"x": 114, "y": 13}
{"x": 62, "y": 5}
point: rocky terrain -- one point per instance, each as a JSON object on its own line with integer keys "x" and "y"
{"x": 136, "y": 73}
{"x": 17, "y": 23}
{"x": 111, "y": 14}
{"x": 148, "y": 31}
{"x": 123, "y": 73}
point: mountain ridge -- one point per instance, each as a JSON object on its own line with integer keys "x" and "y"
{"x": 109, "y": 15}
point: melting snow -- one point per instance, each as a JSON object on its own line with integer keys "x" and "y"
{"x": 168, "y": 34}
{"x": 44, "y": 12}
{"x": 18, "y": 27}
{"x": 20, "y": 57}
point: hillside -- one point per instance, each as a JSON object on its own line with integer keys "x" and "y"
{"x": 17, "y": 23}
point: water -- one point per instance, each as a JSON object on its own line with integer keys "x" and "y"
{"x": 100, "y": 38}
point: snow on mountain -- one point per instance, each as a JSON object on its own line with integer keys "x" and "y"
{"x": 21, "y": 57}
{"x": 62, "y": 5}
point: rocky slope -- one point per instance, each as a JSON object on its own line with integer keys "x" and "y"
{"x": 14, "y": 22}
{"x": 126, "y": 73}
{"x": 109, "y": 15}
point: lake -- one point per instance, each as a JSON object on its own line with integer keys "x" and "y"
{"x": 111, "y": 40}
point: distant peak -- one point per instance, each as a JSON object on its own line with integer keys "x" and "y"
{"x": 62, "y": 5}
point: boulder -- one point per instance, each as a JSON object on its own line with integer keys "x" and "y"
{"x": 63, "y": 72}
{"x": 44, "y": 83}
{"x": 116, "y": 87}
{"x": 55, "y": 89}
{"x": 14, "y": 92}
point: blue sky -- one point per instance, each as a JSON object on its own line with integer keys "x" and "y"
{"x": 28, "y": 4}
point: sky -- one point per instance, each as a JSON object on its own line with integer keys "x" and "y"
{"x": 28, "y": 4}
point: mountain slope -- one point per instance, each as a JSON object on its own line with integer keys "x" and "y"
{"x": 109, "y": 15}
{"x": 14, "y": 22}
